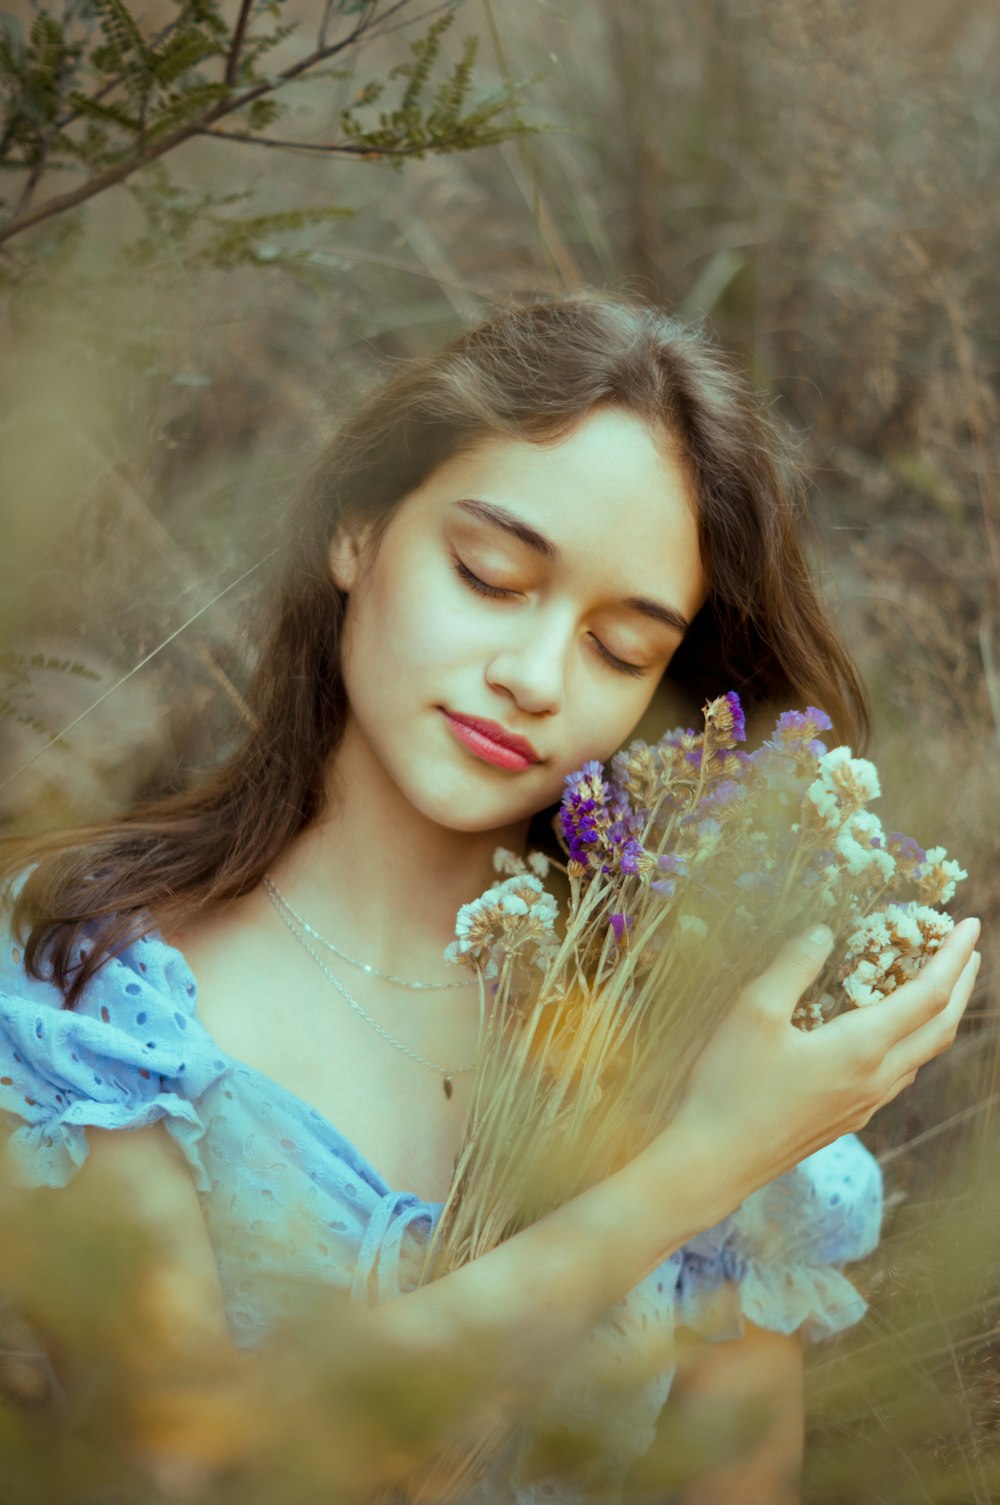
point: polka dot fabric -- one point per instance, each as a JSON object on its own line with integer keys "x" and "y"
{"x": 291, "y": 1204}
{"x": 130, "y": 1053}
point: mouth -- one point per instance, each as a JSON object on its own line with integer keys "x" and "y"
{"x": 492, "y": 742}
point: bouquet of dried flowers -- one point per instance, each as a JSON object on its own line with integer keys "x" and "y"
{"x": 685, "y": 869}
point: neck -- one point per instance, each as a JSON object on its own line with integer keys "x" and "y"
{"x": 382, "y": 880}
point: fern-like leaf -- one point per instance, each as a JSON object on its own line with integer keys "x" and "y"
{"x": 22, "y": 717}
{"x": 425, "y": 52}
{"x": 120, "y": 30}
{"x": 181, "y": 108}
{"x": 106, "y": 110}
{"x": 13, "y": 48}
{"x": 181, "y": 52}
{"x": 262, "y": 113}
{"x": 20, "y": 665}
{"x": 240, "y": 240}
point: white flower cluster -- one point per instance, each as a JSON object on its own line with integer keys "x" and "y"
{"x": 888, "y": 947}
{"x": 860, "y": 845}
{"x": 938, "y": 876}
{"x": 810, "y": 1013}
{"x": 844, "y": 786}
{"x": 505, "y": 861}
{"x": 515, "y": 918}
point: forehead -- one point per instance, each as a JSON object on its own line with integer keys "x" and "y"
{"x": 615, "y": 497}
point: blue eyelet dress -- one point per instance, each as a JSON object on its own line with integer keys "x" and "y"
{"x": 287, "y": 1197}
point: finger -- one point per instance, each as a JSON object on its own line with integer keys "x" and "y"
{"x": 921, "y": 1045}
{"x": 795, "y": 968}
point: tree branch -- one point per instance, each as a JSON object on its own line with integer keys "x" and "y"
{"x": 151, "y": 152}
{"x": 333, "y": 148}
{"x": 324, "y": 23}
{"x": 47, "y": 136}
{"x": 236, "y": 46}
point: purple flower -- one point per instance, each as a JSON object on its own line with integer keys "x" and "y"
{"x": 909, "y": 854}
{"x": 725, "y": 724}
{"x": 906, "y": 848}
{"x": 620, "y": 924}
{"x": 597, "y": 821}
{"x": 630, "y": 855}
{"x": 583, "y": 802}
{"x": 797, "y": 732}
{"x": 722, "y": 794}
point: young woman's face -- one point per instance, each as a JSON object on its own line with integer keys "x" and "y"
{"x": 539, "y": 589}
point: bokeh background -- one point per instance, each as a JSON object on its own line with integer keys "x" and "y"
{"x": 817, "y": 181}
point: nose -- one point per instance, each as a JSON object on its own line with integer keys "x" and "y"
{"x": 531, "y": 666}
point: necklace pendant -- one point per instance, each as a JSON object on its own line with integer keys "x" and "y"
{"x": 448, "y": 1085}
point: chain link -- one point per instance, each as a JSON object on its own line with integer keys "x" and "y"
{"x": 275, "y": 893}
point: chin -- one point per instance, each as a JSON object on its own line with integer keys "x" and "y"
{"x": 473, "y": 811}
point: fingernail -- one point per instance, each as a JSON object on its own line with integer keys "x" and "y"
{"x": 822, "y": 936}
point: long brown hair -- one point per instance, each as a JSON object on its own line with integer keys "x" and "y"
{"x": 531, "y": 373}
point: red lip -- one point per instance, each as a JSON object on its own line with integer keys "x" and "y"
{"x": 498, "y": 734}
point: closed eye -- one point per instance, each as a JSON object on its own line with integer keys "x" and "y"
{"x": 480, "y": 586}
{"x": 498, "y": 593}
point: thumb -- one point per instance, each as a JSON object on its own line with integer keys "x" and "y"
{"x": 796, "y": 966}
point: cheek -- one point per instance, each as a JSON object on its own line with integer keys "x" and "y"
{"x": 604, "y": 719}
{"x": 409, "y": 624}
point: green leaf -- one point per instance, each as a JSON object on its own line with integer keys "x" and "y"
{"x": 182, "y": 51}
{"x": 178, "y": 111}
{"x": 107, "y": 111}
{"x": 19, "y": 664}
{"x": 247, "y": 239}
{"x": 262, "y": 113}
{"x": 261, "y": 45}
{"x": 23, "y": 718}
{"x": 13, "y": 51}
{"x": 120, "y": 29}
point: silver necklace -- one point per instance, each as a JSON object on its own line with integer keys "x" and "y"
{"x": 401, "y": 982}
{"x": 448, "y": 1072}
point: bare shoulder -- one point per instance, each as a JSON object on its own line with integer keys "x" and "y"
{"x": 143, "y": 1172}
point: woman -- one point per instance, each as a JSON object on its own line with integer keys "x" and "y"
{"x": 502, "y": 555}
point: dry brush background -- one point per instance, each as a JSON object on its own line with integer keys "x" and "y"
{"x": 818, "y": 179}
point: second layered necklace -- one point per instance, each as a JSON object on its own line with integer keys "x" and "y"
{"x": 301, "y": 929}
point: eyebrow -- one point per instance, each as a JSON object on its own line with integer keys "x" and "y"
{"x": 501, "y": 518}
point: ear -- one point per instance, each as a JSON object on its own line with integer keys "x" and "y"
{"x": 345, "y": 555}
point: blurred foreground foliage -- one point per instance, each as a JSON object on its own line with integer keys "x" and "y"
{"x": 814, "y": 180}
{"x": 114, "y": 1388}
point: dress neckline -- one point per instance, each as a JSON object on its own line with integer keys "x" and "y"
{"x": 371, "y": 1173}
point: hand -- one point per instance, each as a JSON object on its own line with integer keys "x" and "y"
{"x": 763, "y": 1094}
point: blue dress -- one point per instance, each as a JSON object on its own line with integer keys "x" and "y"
{"x": 286, "y": 1196}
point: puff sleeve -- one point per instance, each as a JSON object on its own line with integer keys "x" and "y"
{"x": 776, "y": 1259}
{"x": 130, "y": 1053}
